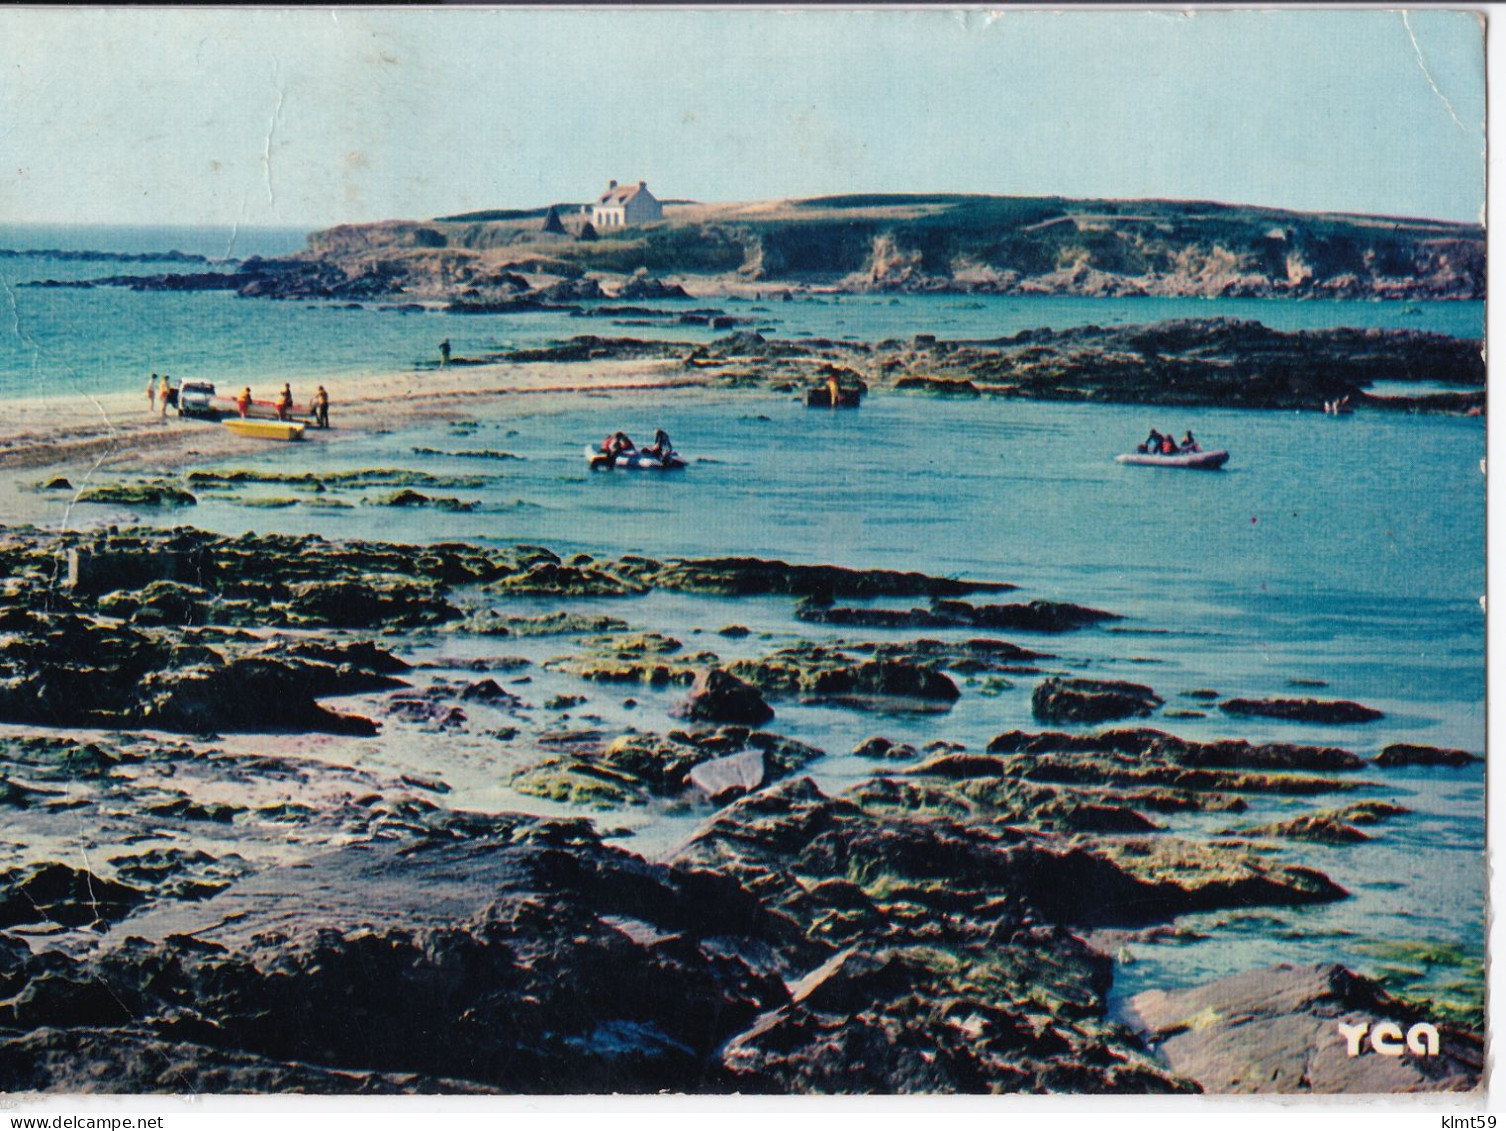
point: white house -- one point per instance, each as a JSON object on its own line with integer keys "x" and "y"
{"x": 621, "y": 206}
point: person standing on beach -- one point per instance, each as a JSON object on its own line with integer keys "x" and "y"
{"x": 321, "y": 408}
{"x": 444, "y": 354}
{"x": 151, "y": 393}
{"x": 243, "y": 402}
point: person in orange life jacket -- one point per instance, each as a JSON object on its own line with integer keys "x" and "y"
{"x": 615, "y": 445}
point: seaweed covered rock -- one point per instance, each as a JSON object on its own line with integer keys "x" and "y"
{"x": 1172, "y": 877}
{"x": 816, "y": 672}
{"x": 1090, "y": 701}
{"x": 932, "y": 919}
{"x": 1327, "y": 826}
{"x": 147, "y": 493}
{"x": 720, "y": 763}
{"x": 972, "y": 791}
{"x": 1321, "y": 828}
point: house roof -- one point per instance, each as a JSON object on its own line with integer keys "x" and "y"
{"x": 621, "y": 194}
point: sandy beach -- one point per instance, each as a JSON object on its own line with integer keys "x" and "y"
{"x": 73, "y": 436}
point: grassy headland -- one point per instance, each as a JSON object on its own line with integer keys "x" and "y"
{"x": 1044, "y": 245}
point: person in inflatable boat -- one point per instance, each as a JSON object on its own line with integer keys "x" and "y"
{"x": 661, "y": 449}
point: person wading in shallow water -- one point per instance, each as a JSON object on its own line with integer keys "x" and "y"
{"x": 321, "y": 408}
{"x": 444, "y": 353}
{"x": 151, "y": 393}
{"x": 284, "y": 402}
{"x": 243, "y": 402}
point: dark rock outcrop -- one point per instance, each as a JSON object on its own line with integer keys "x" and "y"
{"x": 1034, "y": 616}
{"x": 58, "y": 894}
{"x": 644, "y": 287}
{"x": 1407, "y": 754}
{"x": 143, "y": 1061}
{"x": 1328, "y": 711}
{"x": 746, "y": 577}
{"x": 488, "y": 946}
{"x": 718, "y": 696}
{"x": 1091, "y": 700}
{"x": 1156, "y": 745}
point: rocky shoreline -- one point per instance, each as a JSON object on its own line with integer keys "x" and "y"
{"x": 1216, "y": 362}
{"x": 260, "y": 903}
{"x": 916, "y": 243}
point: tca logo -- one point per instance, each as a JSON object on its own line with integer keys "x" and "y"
{"x": 1386, "y": 1038}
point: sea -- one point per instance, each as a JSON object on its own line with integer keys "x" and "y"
{"x": 1342, "y": 557}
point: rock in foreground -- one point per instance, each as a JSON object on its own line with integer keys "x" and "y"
{"x": 534, "y": 960}
{"x": 1277, "y": 1030}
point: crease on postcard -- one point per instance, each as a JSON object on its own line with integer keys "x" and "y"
{"x": 1422, "y": 62}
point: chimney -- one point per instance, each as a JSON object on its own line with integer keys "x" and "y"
{"x": 611, "y": 185}
{"x": 643, "y": 184}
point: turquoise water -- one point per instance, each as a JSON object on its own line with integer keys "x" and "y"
{"x": 1347, "y": 550}
{"x": 91, "y": 341}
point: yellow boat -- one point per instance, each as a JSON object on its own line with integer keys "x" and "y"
{"x": 266, "y": 429}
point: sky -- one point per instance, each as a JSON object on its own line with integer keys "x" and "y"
{"x": 309, "y": 118}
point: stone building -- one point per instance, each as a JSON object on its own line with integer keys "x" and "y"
{"x": 623, "y": 206}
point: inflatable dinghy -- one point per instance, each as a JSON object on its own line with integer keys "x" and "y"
{"x": 633, "y": 461}
{"x": 1198, "y": 461}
